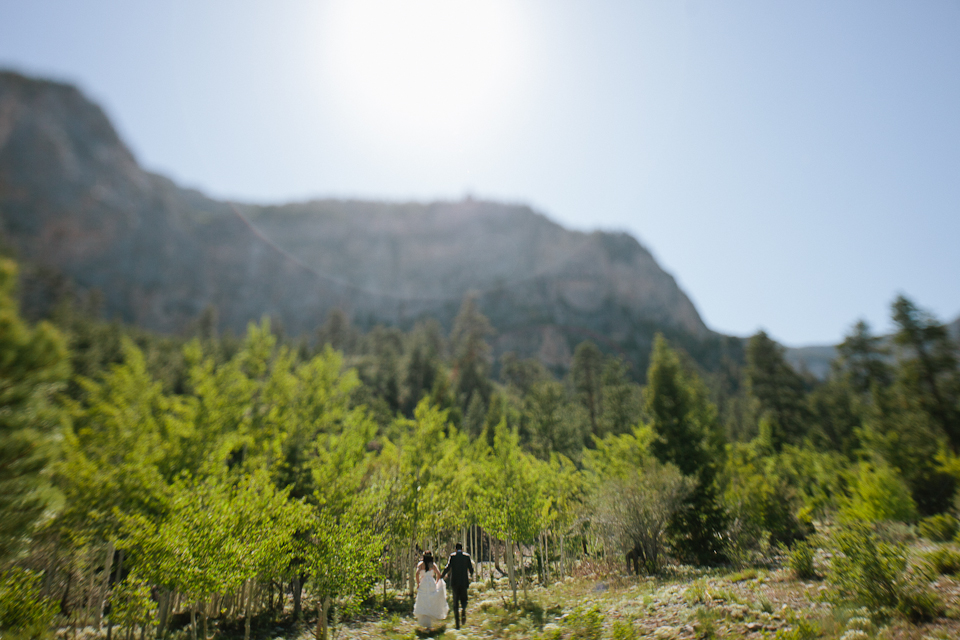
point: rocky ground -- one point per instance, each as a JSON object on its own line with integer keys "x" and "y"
{"x": 688, "y": 604}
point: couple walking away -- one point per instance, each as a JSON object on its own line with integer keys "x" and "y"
{"x": 431, "y": 604}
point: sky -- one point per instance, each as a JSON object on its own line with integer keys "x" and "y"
{"x": 794, "y": 165}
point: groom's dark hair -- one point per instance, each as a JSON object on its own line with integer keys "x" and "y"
{"x": 459, "y": 547}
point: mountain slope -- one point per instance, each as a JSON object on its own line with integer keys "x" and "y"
{"x": 74, "y": 202}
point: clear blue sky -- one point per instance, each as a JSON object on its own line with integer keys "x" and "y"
{"x": 794, "y": 165}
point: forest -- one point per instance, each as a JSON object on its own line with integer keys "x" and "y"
{"x": 212, "y": 485}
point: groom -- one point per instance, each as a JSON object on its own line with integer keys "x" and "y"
{"x": 460, "y": 569}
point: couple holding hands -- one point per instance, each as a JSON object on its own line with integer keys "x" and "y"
{"x": 431, "y": 604}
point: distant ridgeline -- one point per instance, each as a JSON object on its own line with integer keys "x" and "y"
{"x": 80, "y": 215}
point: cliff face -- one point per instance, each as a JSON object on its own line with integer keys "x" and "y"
{"x": 74, "y": 201}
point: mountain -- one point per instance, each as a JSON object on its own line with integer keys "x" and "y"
{"x": 816, "y": 360}
{"x": 79, "y": 212}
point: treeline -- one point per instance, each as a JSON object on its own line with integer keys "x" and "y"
{"x": 146, "y": 478}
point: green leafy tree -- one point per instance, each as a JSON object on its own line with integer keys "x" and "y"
{"x": 217, "y": 533}
{"x": 514, "y": 505}
{"x": 878, "y": 493}
{"x": 24, "y": 612}
{"x": 342, "y": 559}
{"x": 34, "y": 366}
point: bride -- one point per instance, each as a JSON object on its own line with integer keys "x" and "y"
{"x": 431, "y": 604}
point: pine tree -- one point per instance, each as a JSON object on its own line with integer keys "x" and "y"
{"x": 687, "y": 435}
{"x": 929, "y": 369}
{"x": 778, "y": 390}
{"x": 471, "y": 356}
{"x": 586, "y": 373}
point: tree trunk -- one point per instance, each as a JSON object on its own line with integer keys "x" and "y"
{"x": 102, "y": 600}
{"x": 91, "y": 591}
{"x": 65, "y": 600}
{"x": 523, "y": 571}
{"x": 246, "y": 609}
{"x": 411, "y": 564}
{"x": 116, "y": 580}
{"x": 296, "y": 589}
{"x": 508, "y": 548}
{"x": 193, "y": 619}
{"x": 165, "y": 602}
{"x": 563, "y": 555}
{"x": 323, "y": 606}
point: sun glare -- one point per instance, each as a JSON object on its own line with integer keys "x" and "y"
{"x": 428, "y": 73}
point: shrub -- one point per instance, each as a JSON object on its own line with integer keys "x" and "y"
{"x": 944, "y": 561}
{"x": 868, "y": 571}
{"x": 634, "y": 512}
{"x": 586, "y": 624}
{"x": 24, "y": 612}
{"x": 801, "y": 560}
{"x": 800, "y": 630}
{"x": 763, "y": 507}
{"x": 919, "y": 603}
{"x": 624, "y": 631}
{"x": 706, "y": 623}
{"x": 939, "y": 528}
{"x": 878, "y": 493}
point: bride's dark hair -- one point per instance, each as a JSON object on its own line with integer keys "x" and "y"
{"x": 427, "y": 560}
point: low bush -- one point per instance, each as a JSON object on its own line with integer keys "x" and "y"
{"x": 624, "y": 631}
{"x": 939, "y": 528}
{"x": 943, "y": 561}
{"x": 918, "y": 603}
{"x": 801, "y": 559}
{"x": 866, "y": 570}
{"x": 586, "y": 624}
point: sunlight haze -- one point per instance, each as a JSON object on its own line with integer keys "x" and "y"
{"x": 794, "y": 165}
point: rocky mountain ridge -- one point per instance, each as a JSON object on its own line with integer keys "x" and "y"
{"x": 76, "y": 207}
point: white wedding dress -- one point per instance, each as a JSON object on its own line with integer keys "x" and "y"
{"x": 430, "y": 607}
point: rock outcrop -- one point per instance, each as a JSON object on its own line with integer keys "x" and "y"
{"x": 75, "y": 202}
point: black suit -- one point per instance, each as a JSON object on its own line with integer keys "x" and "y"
{"x": 460, "y": 569}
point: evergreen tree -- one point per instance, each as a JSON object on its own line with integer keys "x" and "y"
{"x": 471, "y": 356}
{"x": 621, "y": 399}
{"x": 778, "y": 390}
{"x": 687, "y": 435}
{"x": 586, "y": 373}
{"x": 928, "y": 370}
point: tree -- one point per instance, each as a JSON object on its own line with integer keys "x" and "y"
{"x": 217, "y": 533}
{"x": 929, "y": 366}
{"x": 635, "y": 510}
{"x": 778, "y": 390}
{"x": 687, "y": 435}
{"x": 471, "y": 354}
{"x": 422, "y": 365}
{"x": 33, "y": 368}
{"x": 514, "y": 506}
{"x": 586, "y": 372}
{"x": 342, "y": 558}
{"x": 621, "y": 399}
{"x": 864, "y": 359}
